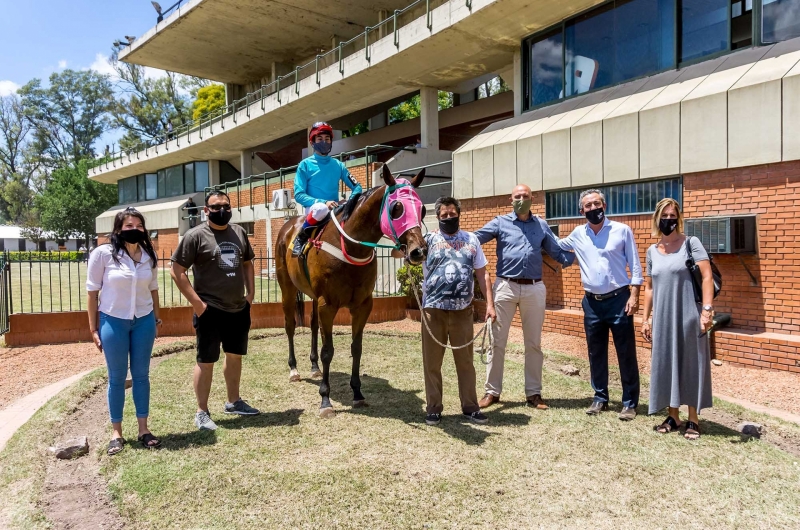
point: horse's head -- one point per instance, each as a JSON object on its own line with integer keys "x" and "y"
{"x": 401, "y": 215}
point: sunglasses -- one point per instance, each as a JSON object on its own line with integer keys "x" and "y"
{"x": 218, "y": 207}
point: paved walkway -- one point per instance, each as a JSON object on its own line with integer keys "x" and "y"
{"x": 15, "y": 415}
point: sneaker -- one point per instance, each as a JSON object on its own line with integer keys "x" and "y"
{"x": 240, "y": 406}
{"x": 433, "y": 419}
{"x": 203, "y": 421}
{"x": 477, "y": 417}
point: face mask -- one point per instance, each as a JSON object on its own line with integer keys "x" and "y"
{"x": 667, "y": 226}
{"x": 449, "y": 226}
{"x": 595, "y": 216}
{"x": 521, "y": 207}
{"x": 322, "y": 148}
{"x": 132, "y": 236}
{"x": 220, "y": 217}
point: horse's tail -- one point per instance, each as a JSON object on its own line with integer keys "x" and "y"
{"x": 300, "y": 309}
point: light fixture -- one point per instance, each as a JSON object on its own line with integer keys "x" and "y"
{"x": 157, "y": 7}
{"x": 130, "y": 38}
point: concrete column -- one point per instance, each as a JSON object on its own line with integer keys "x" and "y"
{"x": 213, "y": 173}
{"x": 516, "y": 83}
{"x": 379, "y": 121}
{"x": 383, "y": 29}
{"x": 429, "y": 117}
{"x": 279, "y": 69}
{"x": 246, "y": 163}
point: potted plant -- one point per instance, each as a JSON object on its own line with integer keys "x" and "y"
{"x": 408, "y": 275}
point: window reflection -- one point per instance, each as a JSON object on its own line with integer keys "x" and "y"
{"x": 546, "y": 71}
{"x": 780, "y": 20}
{"x": 704, "y": 28}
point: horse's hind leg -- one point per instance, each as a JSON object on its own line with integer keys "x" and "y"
{"x": 315, "y": 371}
{"x": 289, "y": 303}
{"x": 359, "y": 318}
{"x": 326, "y": 315}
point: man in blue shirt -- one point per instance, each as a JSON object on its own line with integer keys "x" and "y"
{"x": 606, "y": 250}
{"x": 316, "y": 184}
{"x": 521, "y": 236}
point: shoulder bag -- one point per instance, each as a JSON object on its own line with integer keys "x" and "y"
{"x": 697, "y": 276}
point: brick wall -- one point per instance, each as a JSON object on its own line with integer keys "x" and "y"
{"x": 166, "y": 242}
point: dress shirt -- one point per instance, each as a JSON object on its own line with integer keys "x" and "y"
{"x": 125, "y": 286}
{"x": 603, "y": 257}
{"x": 520, "y": 244}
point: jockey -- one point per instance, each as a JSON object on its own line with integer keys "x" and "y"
{"x": 316, "y": 184}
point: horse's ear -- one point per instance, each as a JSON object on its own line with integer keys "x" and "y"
{"x": 388, "y": 178}
{"x": 416, "y": 181}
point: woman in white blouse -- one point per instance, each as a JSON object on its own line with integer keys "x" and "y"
{"x": 122, "y": 287}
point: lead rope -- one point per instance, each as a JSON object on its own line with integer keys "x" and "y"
{"x": 486, "y": 330}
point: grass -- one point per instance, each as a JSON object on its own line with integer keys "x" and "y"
{"x": 381, "y": 467}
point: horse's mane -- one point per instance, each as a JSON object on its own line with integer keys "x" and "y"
{"x": 353, "y": 201}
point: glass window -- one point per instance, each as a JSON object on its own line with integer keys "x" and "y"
{"x": 140, "y": 188}
{"x": 174, "y": 181}
{"x": 780, "y": 20}
{"x": 188, "y": 178}
{"x": 120, "y": 199}
{"x": 127, "y": 190}
{"x": 741, "y": 24}
{"x": 162, "y": 182}
{"x": 638, "y": 198}
{"x": 200, "y": 176}
{"x": 151, "y": 186}
{"x": 546, "y": 71}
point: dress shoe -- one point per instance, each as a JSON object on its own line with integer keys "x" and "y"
{"x": 537, "y": 402}
{"x": 487, "y": 400}
{"x": 627, "y": 413}
{"x": 597, "y": 407}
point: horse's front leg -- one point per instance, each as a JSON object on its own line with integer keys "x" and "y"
{"x": 326, "y": 315}
{"x": 315, "y": 371}
{"x": 359, "y": 318}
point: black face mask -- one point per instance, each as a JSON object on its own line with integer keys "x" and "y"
{"x": 667, "y": 226}
{"x": 449, "y": 226}
{"x": 133, "y": 236}
{"x": 220, "y": 217}
{"x": 322, "y": 148}
{"x": 595, "y": 216}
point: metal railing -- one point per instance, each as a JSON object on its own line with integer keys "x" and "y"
{"x": 57, "y": 284}
{"x": 205, "y": 123}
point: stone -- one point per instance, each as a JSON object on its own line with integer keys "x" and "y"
{"x": 716, "y": 362}
{"x": 73, "y": 448}
{"x": 568, "y": 369}
{"x": 751, "y": 429}
{"x": 128, "y": 383}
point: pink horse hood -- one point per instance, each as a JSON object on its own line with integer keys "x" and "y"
{"x": 412, "y": 211}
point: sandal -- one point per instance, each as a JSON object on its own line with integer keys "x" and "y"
{"x": 692, "y": 431}
{"x": 115, "y": 446}
{"x": 667, "y": 426}
{"x": 146, "y": 438}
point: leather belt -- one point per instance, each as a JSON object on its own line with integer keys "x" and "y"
{"x": 612, "y": 294}
{"x": 521, "y": 281}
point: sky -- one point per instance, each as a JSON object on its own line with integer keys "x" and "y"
{"x": 40, "y": 37}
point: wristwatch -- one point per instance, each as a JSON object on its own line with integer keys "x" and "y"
{"x": 708, "y": 308}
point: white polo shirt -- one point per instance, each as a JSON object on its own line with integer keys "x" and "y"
{"x": 125, "y": 286}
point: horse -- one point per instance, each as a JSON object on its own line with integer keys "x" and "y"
{"x": 347, "y": 279}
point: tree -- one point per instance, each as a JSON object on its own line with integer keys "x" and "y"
{"x": 32, "y": 228}
{"x": 69, "y": 115}
{"x": 17, "y": 199}
{"x": 209, "y": 98}
{"x": 19, "y": 163}
{"x": 410, "y": 109}
{"x": 71, "y": 202}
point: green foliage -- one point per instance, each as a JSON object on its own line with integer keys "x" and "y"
{"x": 209, "y": 99}
{"x": 70, "y": 202}
{"x": 45, "y": 256}
{"x": 410, "y": 109}
{"x": 409, "y": 275}
{"x": 17, "y": 198}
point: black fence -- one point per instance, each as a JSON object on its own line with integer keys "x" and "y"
{"x": 45, "y": 282}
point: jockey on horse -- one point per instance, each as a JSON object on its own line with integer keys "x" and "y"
{"x": 316, "y": 185}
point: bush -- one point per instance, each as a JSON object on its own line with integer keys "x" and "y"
{"x": 46, "y": 256}
{"x": 408, "y": 274}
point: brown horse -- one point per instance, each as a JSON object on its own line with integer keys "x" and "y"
{"x": 333, "y": 283}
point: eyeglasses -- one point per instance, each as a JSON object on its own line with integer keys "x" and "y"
{"x": 218, "y": 207}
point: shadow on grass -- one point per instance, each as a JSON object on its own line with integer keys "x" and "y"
{"x": 179, "y": 441}
{"x": 278, "y": 418}
{"x": 553, "y": 403}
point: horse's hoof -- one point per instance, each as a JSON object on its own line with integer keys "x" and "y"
{"x": 361, "y": 403}
{"x": 326, "y": 413}
{"x": 294, "y": 376}
{"x": 316, "y": 374}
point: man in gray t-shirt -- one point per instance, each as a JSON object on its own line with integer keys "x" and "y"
{"x": 221, "y": 260}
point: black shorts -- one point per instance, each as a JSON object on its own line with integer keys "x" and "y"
{"x": 215, "y": 327}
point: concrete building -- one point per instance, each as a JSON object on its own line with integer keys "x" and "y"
{"x": 644, "y": 98}
{"x": 11, "y": 240}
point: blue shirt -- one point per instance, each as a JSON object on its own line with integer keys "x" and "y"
{"x": 317, "y": 180}
{"x": 605, "y": 257}
{"x": 520, "y": 244}
{"x": 448, "y": 270}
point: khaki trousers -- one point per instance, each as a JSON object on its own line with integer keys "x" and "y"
{"x": 531, "y": 302}
{"x": 457, "y": 326}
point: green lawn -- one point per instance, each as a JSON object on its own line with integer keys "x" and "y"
{"x": 382, "y": 467}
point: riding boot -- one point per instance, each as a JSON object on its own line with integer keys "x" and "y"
{"x": 301, "y": 240}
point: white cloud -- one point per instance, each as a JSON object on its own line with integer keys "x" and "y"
{"x": 102, "y": 65}
{"x": 8, "y": 87}
{"x": 62, "y": 64}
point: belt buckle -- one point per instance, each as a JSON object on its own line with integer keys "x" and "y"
{"x": 598, "y": 297}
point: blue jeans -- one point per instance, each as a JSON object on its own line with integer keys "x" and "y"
{"x": 123, "y": 339}
{"x": 600, "y": 317}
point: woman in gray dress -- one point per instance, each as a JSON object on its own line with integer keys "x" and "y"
{"x": 681, "y": 367}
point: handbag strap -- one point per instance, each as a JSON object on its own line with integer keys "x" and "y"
{"x": 689, "y": 253}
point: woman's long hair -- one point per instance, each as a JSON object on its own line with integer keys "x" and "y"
{"x": 117, "y": 243}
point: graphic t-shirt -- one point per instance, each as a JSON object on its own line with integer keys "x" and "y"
{"x": 216, "y": 258}
{"x": 447, "y": 272}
